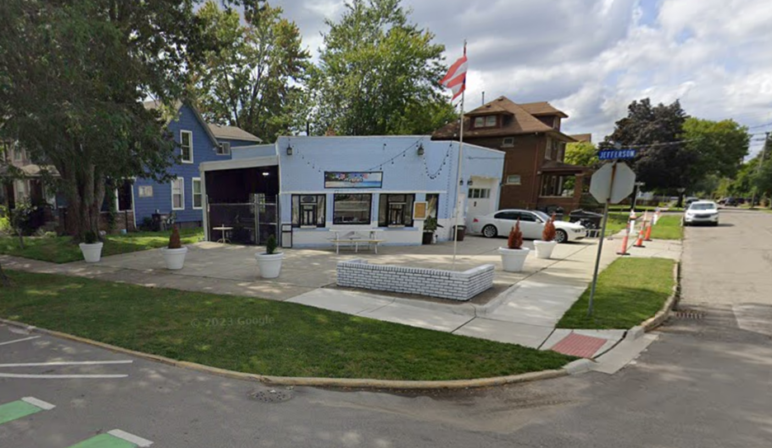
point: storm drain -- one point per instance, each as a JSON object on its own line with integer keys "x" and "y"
{"x": 689, "y": 315}
{"x": 272, "y": 396}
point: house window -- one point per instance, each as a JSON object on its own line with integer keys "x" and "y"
{"x": 186, "y": 146}
{"x": 557, "y": 186}
{"x": 513, "y": 179}
{"x": 123, "y": 193}
{"x": 146, "y": 191}
{"x": 308, "y": 210}
{"x": 178, "y": 194}
{"x": 433, "y": 201}
{"x": 488, "y": 121}
{"x": 224, "y": 149}
{"x": 351, "y": 209}
{"x": 508, "y": 142}
{"x": 479, "y": 193}
{"x": 396, "y": 210}
{"x": 198, "y": 196}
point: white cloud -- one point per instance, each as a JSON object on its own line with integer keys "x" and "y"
{"x": 593, "y": 57}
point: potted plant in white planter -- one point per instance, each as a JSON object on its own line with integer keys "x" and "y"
{"x": 547, "y": 244}
{"x": 513, "y": 256}
{"x": 269, "y": 262}
{"x": 174, "y": 254}
{"x": 430, "y": 226}
{"x": 91, "y": 247}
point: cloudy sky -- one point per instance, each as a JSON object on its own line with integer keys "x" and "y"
{"x": 591, "y": 58}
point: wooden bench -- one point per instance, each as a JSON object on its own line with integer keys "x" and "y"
{"x": 355, "y": 242}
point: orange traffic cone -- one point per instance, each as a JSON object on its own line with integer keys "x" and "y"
{"x": 623, "y": 250}
{"x": 639, "y": 241}
{"x": 648, "y": 232}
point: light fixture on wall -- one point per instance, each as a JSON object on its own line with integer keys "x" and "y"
{"x": 289, "y": 150}
{"x": 461, "y": 182}
{"x": 266, "y": 174}
{"x": 470, "y": 182}
{"x": 421, "y": 150}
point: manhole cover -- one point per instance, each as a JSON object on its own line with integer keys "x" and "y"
{"x": 689, "y": 314}
{"x": 272, "y": 395}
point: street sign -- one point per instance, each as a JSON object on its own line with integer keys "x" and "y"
{"x": 617, "y": 154}
{"x": 602, "y": 189}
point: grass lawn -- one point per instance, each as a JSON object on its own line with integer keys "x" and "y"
{"x": 668, "y": 228}
{"x": 629, "y": 291}
{"x": 258, "y": 336}
{"x": 61, "y": 249}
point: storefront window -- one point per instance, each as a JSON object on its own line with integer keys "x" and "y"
{"x": 351, "y": 209}
{"x": 308, "y": 210}
{"x": 396, "y": 210}
{"x": 433, "y": 201}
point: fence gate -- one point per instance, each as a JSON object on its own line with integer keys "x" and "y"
{"x": 246, "y": 223}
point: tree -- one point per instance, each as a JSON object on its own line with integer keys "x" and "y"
{"x": 73, "y": 75}
{"x": 378, "y": 73}
{"x": 719, "y": 146}
{"x": 253, "y": 78}
{"x": 663, "y": 161}
{"x": 582, "y": 154}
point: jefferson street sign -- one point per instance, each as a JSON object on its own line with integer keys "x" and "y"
{"x": 616, "y": 154}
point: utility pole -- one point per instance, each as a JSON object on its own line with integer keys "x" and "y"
{"x": 758, "y": 168}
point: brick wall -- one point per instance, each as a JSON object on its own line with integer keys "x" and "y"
{"x": 427, "y": 282}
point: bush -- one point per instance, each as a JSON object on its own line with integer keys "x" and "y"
{"x": 174, "y": 239}
{"x": 515, "y": 240}
{"x": 90, "y": 238}
{"x": 270, "y": 245}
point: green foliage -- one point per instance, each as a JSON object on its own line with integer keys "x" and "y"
{"x": 378, "y": 74}
{"x": 430, "y": 224}
{"x": 90, "y": 237}
{"x": 661, "y": 166}
{"x": 719, "y": 146}
{"x": 252, "y": 78}
{"x": 270, "y": 245}
{"x": 582, "y": 154}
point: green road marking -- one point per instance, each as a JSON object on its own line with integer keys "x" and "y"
{"x": 104, "y": 441}
{"x": 15, "y": 410}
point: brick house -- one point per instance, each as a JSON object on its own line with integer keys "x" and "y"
{"x": 535, "y": 176}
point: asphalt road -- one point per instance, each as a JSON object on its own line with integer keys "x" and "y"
{"x": 705, "y": 383}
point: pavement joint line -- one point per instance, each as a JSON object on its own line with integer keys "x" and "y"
{"x": 546, "y": 339}
{"x": 462, "y": 325}
{"x": 19, "y": 340}
{"x": 39, "y": 403}
{"x": 55, "y": 377}
{"x": 65, "y": 363}
{"x": 131, "y": 438}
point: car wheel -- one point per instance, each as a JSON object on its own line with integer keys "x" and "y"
{"x": 489, "y": 231}
{"x": 561, "y": 236}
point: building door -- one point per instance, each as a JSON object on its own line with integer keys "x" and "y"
{"x": 482, "y": 198}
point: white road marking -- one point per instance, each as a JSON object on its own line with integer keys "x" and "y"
{"x": 44, "y": 376}
{"x": 39, "y": 403}
{"x": 131, "y": 438}
{"x": 65, "y": 363}
{"x": 19, "y": 340}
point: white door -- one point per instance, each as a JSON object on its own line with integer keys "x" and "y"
{"x": 481, "y": 199}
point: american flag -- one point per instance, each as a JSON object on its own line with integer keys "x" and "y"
{"x": 455, "y": 80}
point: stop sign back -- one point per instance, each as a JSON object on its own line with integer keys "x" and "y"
{"x": 602, "y": 188}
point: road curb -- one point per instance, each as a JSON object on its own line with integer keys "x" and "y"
{"x": 662, "y": 315}
{"x": 357, "y": 383}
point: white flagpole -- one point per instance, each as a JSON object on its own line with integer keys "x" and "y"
{"x": 458, "y": 177}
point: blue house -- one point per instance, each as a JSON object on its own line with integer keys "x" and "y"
{"x": 197, "y": 142}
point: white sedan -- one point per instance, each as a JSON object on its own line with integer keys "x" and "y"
{"x": 531, "y": 224}
{"x": 701, "y": 212}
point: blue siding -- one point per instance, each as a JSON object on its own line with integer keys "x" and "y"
{"x": 237, "y": 143}
{"x": 203, "y": 151}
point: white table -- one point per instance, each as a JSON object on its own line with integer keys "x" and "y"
{"x": 223, "y": 235}
{"x": 356, "y": 239}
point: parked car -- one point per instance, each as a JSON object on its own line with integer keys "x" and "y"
{"x": 701, "y": 212}
{"x": 531, "y": 224}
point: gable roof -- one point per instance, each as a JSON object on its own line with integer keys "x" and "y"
{"x": 542, "y": 108}
{"x": 233, "y": 133}
{"x": 582, "y": 137}
{"x": 518, "y": 121}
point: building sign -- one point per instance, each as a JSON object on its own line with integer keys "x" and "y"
{"x": 420, "y": 210}
{"x": 616, "y": 154}
{"x": 350, "y": 179}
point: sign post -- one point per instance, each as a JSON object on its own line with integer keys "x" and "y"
{"x": 609, "y": 185}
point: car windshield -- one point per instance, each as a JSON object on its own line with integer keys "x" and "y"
{"x": 544, "y": 217}
{"x": 703, "y": 206}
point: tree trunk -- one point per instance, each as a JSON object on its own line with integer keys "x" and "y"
{"x": 5, "y": 282}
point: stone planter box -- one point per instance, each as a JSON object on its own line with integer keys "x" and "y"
{"x": 427, "y": 282}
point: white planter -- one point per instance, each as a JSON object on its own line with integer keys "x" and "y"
{"x": 175, "y": 258}
{"x": 513, "y": 260}
{"x": 544, "y": 248}
{"x": 269, "y": 265}
{"x": 92, "y": 253}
